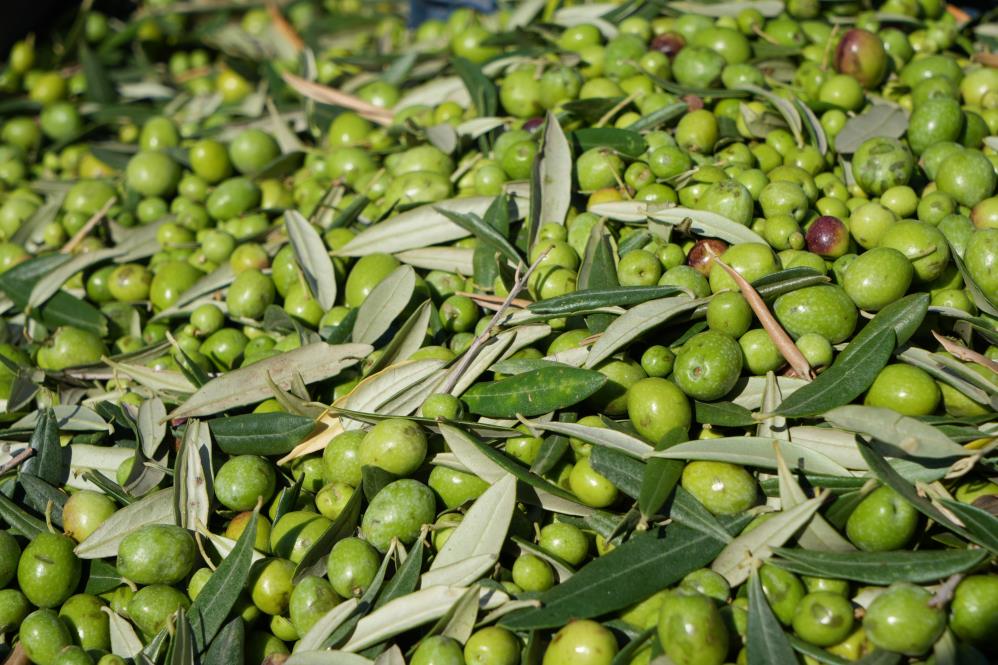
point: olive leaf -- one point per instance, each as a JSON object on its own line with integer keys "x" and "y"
{"x": 561, "y": 567}
{"x": 229, "y": 641}
{"x": 167, "y": 382}
{"x": 124, "y": 641}
{"x": 480, "y": 534}
{"x": 499, "y": 347}
{"x": 661, "y": 475}
{"x": 217, "y": 279}
{"x": 156, "y": 508}
{"x": 624, "y": 141}
{"x": 880, "y": 120}
{"x": 787, "y": 109}
{"x": 980, "y": 523}
{"x": 765, "y": 640}
{"x": 48, "y": 462}
{"x": 450, "y": 259}
{"x": 316, "y": 657}
{"x": 591, "y": 299}
{"x": 260, "y": 433}
{"x": 325, "y": 626}
{"x": 414, "y": 609}
{"x": 659, "y": 117}
{"x": 701, "y": 222}
{"x": 533, "y": 393}
{"x": 485, "y": 232}
{"x": 20, "y": 522}
{"x": 952, "y": 372}
{"x": 723, "y": 414}
{"x": 598, "y": 436}
{"x": 881, "y": 568}
{"x": 738, "y": 558}
{"x": 904, "y": 436}
{"x": 181, "y": 650}
{"x": 768, "y": 8}
{"x": 50, "y": 284}
{"x": 555, "y": 173}
{"x": 687, "y": 510}
{"x": 310, "y": 252}
{"x": 192, "y": 477}
{"x": 151, "y": 424}
{"x": 248, "y": 385}
{"x": 376, "y": 390}
{"x": 624, "y": 471}
{"x": 384, "y": 304}
{"x": 752, "y": 451}
{"x": 818, "y": 534}
{"x": 42, "y": 217}
{"x": 635, "y": 322}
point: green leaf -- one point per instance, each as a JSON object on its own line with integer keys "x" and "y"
{"x": 313, "y": 562}
{"x": 598, "y": 436}
{"x": 62, "y": 308}
{"x": 228, "y": 646}
{"x": 406, "y": 577}
{"x": 598, "y": 271}
{"x": 896, "y": 435}
{"x": 49, "y": 462}
{"x": 484, "y": 94}
{"x": 384, "y": 304}
{"x": 310, "y": 252}
{"x": 984, "y": 300}
{"x": 622, "y": 470}
{"x": 193, "y": 477}
{"x": 860, "y": 362}
{"x": 20, "y": 522}
{"x": 533, "y": 393}
{"x": 661, "y": 475}
{"x": 43, "y": 496}
{"x": 881, "y": 568}
{"x": 485, "y": 232}
{"x": 555, "y": 170}
{"x": 700, "y": 222}
{"x": 765, "y": 640}
{"x": 99, "y": 86}
{"x": 880, "y": 120}
{"x": 182, "y": 645}
{"x": 647, "y": 563}
{"x": 260, "y": 433}
{"x": 587, "y": 300}
{"x": 817, "y": 653}
{"x": 753, "y": 451}
{"x": 591, "y": 109}
{"x": 222, "y": 590}
{"x": 374, "y": 479}
{"x": 635, "y": 322}
{"x": 689, "y": 512}
{"x": 723, "y": 414}
{"x": 627, "y": 142}
{"x": 155, "y": 508}
{"x": 659, "y": 117}
{"x": 982, "y": 524}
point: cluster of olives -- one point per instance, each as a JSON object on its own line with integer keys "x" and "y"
{"x": 909, "y": 209}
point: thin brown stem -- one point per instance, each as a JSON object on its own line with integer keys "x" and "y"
{"x": 965, "y": 354}
{"x": 17, "y": 656}
{"x": 16, "y": 460}
{"x": 88, "y": 227}
{"x": 327, "y": 95}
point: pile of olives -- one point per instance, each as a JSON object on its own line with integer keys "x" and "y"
{"x": 574, "y": 334}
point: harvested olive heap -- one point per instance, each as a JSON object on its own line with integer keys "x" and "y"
{"x": 643, "y": 333}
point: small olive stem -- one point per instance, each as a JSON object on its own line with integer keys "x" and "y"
{"x": 519, "y": 284}
{"x": 780, "y": 338}
{"x": 17, "y": 656}
{"x": 327, "y": 95}
{"x": 619, "y": 106}
{"x": 945, "y": 592}
{"x": 285, "y": 28}
{"x": 88, "y": 227}
{"x": 963, "y": 353}
{"x": 16, "y": 460}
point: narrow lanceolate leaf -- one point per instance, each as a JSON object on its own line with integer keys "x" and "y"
{"x": 48, "y": 462}
{"x": 588, "y": 300}
{"x": 986, "y": 301}
{"x": 739, "y": 557}
{"x": 51, "y": 283}
{"x": 789, "y": 112}
{"x": 182, "y": 645}
{"x": 686, "y": 510}
{"x": 260, "y": 433}
{"x": 766, "y": 642}
{"x": 880, "y": 120}
{"x": 533, "y": 393}
{"x": 310, "y": 251}
{"x": 230, "y": 640}
{"x": 904, "y": 436}
{"x": 21, "y": 523}
{"x": 481, "y": 533}
{"x": 753, "y": 451}
{"x": 325, "y": 626}
{"x": 881, "y": 568}
{"x": 69, "y": 417}
{"x": 248, "y": 385}
{"x": 450, "y": 259}
{"x": 192, "y": 477}
{"x": 598, "y": 436}
{"x": 599, "y": 271}
{"x": 818, "y": 534}
{"x": 151, "y": 423}
{"x": 156, "y": 508}
{"x": 635, "y": 322}
{"x": 485, "y": 232}
{"x": 661, "y": 475}
{"x": 555, "y": 173}
{"x": 323, "y": 657}
{"x": 419, "y": 227}
{"x": 701, "y": 222}
{"x": 980, "y": 523}
{"x": 384, "y": 304}
{"x": 124, "y": 641}
{"x": 413, "y": 610}
{"x": 408, "y": 339}
{"x": 313, "y": 562}
{"x": 624, "y": 141}
{"x": 633, "y": 571}
{"x": 859, "y": 363}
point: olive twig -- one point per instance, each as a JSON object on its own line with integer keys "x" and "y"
{"x": 16, "y": 460}
{"x": 88, "y": 227}
{"x": 519, "y": 284}
{"x": 963, "y": 353}
{"x": 17, "y": 656}
{"x": 945, "y": 592}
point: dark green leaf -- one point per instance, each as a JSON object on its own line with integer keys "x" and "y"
{"x": 485, "y": 232}
{"x": 879, "y": 657}
{"x": 109, "y": 487}
{"x": 881, "y": 568}
{"x": 342, "y": 331}
{"x": 228, "y": 645}
{"x": 182, "y": 645}
{"x": 351, "y": 213}
{"x": 260, "y": 433}
{"x": 49, "y": 460}
{"x": 374, "y": 479}
{"x": 551, "y": 452}
{"x": 344, "y": 524}
{"x": 723, "y": 414}
{"x": 591, "y": 109}
{"x": 103, "y": 577}
{"x": 816, "y": 652}
{"x": 529, "y": 479}
{"x": 982, "y": 524}
{"x": 533, "y": 393}
{"x": 406, "y": 578}
{"x": 99, "y": 86}
{"x": 982, "y": 299}
{"x": 484, "y": 94}
{"x": 590, "y": 299}
{"x": 624, "y": 471}
{"x": 222, "y": 590}
{"x": 365, "y": 604}
{"x": 858, "y": 365}
{"x": 659, "y": 117}
{"x": 19, "y": 521}
{"x": 42, "y": 496}
{"x": 688, "y": 511}
{"x": 287, "y": 500}
{"x": 626, "y": 655}
{"x": 280, "y": 166}
{"x": 598, "y": 272}
{"x": 62, "y": 308}
{"x": 647, "y": 563}
{"x": 766, "y": 642}
{"x": 625, "y": 141}
{"x": 661, "y": 475}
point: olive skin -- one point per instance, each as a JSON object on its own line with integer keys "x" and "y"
{"x": 582, "y": 642}
{"x": 244, "y": 479}
{"x": 825, "y": 310}
{"x": 87, "y": 621}
{"x": 877, "y": 278}
{"x": 455, "y": 487}
{"x": 493, "y": 645}
{"x": 84, "y": 511}
{"x": 901, "y": 620}
{"x": 69, "y": 347}
{"x": 43, "y": 635}
{"x": 823, "y": 618}
{"x": 152, "y": 606}
{"x": 656, "y": 406}
{"x": 974, "y": 610}
{"x": 295, "y": 532}
{"x": 396, "y": 445}
{"x": 723, "y": 488}
{"x": 250, "y": 294}
{"x": 691, "y": 630}
{"x": 13, "y": 608}
{"x": 351, "y": 566}
{"x": 708, "y": 366}
{"x": 906, "y": 389}
{"x": 399, "y": 510}
{"x": 438, "y": 650}
{"x": 881, "y": 163}
{"x": 311, "y": 598}
{"x": 156, "y": 554}
{"x": 48, "y": 570}
{"x": 270, "y": 585}
{"x": 341, "y": 458}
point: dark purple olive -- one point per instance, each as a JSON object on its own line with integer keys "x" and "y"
{"x": 533, "y": 123}
{"x": 701, "y": 256}
{"x": 669, "y": 43}
{"x": 861, "y": 55}
{"x": 827, "y": 236}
